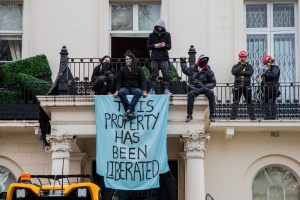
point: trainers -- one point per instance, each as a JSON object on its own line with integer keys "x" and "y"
{"x": 131, "y": 116}
{"x": 166, "y": 91}
{"x": 125, "y": 117}
{"x": 212, "y": 118}
{"x": 189, "y": 118}
{"x": 151, "y": 92}
{"x": 252, "y": 117}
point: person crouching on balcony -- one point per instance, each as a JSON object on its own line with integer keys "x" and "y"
{"x": 201, "y": 81}
{"x": 242, "y": 72}
{"x": 270, "y": 86}
{"x": 131, "y": 81}
{"x": 103, "y": 77}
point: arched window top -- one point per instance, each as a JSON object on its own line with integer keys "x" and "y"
{"x": 6, "y": 178}
{"x": 275, "y": 183}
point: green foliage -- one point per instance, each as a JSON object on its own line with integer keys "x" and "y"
{"x": 146, "y": 73}
{"x": 37, "y": 86}
{"x": 36, "y": 66}
{"x": 173, "y": 75}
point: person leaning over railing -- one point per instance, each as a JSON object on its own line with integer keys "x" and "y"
{"x": 242, "y": 72}
{"x": 270, "y": 86}
{"x": 103, "y": 77}
{"x": 131, "y": 81}
{"x": 201, "y": 81}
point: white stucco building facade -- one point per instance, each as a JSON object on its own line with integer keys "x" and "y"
{"x": 228, "y": 158}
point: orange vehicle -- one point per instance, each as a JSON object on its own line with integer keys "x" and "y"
{"x": 57, "y": 187}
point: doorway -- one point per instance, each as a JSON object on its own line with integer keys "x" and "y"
{"x": 137, "y": 45}
{"x": 168, "y": 185}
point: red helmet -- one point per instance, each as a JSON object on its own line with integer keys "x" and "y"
{"x": 243, "y": 54}
{"x": 266, "y": 58}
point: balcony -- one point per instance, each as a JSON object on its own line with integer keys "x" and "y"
{"x": 75, "y": 74}
{"x": 18, "y": 103}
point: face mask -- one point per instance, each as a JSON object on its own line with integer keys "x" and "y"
{"x": 203, "y": 63}
{"x": 106, "y": 66}
{"x": 129, "y": 63}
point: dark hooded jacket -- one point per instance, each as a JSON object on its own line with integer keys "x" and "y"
{"x": 155, "y": 37}
{"x": 272, "y": 75}
{"x": 103, "y": 69}
{"x": 200, "y": 80}
{"x": 131, "y": 79}
{"x": 242, "y": 73}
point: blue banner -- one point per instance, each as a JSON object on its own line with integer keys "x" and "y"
{"x": 131, "y": 155}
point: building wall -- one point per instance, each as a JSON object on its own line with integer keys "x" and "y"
{"x": 22, "y": 151}
{"x": 232, "y": 164}
{"x": 49, "y": 25}
{"x": 214, "y": 27}
{"x": 84, "y": 26}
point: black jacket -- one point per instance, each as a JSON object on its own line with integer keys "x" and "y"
{"x": 271, "y": 75}
{"x": 158, "y": 54}
{"x": 242, "y": 73}
{"x": 102, "y": 70}
{"x": 133, "y": 79}
{"x": 204, "y": 79}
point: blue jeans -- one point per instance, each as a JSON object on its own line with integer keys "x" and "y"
{"x": 123, "y": 92}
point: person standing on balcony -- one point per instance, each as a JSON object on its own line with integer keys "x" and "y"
{"x": 103, "y": 77}
{"x": 159, "y": 42}
{"x": 270, "y": 86}
{"x": 242, "y": 72}
{"x": 201, "y": 81}
{"x": 131, "y": 81}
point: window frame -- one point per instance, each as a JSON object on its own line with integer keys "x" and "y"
{"x": 270, "y": 31}
{"x": 19, "y": 33}
{"x": 273, "y": 165}
{"x": 135, "y": 32}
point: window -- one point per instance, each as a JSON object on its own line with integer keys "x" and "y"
{"x": 134, "y": 17}
{"x": 270, "y": 29}
{"x": 6, "y": 178}
{"x": 275, "y": 183}
{"x": 130, "y": 27}
{"x": 10, "y": 31}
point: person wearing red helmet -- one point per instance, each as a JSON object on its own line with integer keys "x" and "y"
{"x": 242, "y": 72}
{"x": 270, "y": 86}
{"x": 201, "y": 81}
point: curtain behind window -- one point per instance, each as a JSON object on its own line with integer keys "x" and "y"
{"x": 10, "y": 22}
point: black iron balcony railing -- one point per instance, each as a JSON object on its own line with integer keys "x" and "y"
{"x": 19, "y": 103}
{"x": 260, "y": 101}
{"x": 82, "y": 69}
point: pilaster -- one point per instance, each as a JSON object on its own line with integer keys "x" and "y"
{"x": 194, "y": 150}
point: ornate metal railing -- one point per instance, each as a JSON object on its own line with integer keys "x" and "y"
{"x": 75, "y": 78}
{"x": 82, "y": 69}
{"x": 265, "y": 102}
{"x": 18, "y": 103}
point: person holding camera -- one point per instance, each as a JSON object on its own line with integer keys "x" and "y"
{"x": 270, "y": 86}
{"x": 159, "y": 42}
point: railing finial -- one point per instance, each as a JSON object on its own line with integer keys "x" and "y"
{"x": 192, "y": 55}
